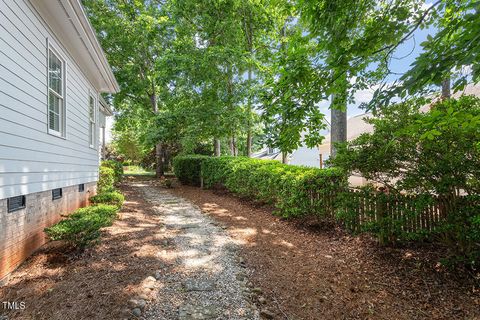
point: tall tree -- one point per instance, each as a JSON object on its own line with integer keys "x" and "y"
{"x": 220, "y": 56}
{"x": 350, "y": 38}
{"x": 136, "y": 35}
{"x": 338, "y": 48}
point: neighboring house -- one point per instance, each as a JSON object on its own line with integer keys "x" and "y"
{"x": 52, "y": 71}
{"x": 310, "y": 157}
{"x": 356, "y": 125}
{"x": 268, "y": 154}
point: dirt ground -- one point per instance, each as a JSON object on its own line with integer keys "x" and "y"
{"x": 309, "y": 271}
{"x": 300, "y": 270}
{"x": 97, "y": 284}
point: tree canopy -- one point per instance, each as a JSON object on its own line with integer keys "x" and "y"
{"x": 228, "y": 76}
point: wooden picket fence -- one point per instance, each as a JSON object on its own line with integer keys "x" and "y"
{"x": 403, "y": 210}
{"x": 390, "y": 215}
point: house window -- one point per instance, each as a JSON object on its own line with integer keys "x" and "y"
{"x": 57, "y": 193}
{"x": 16, "y": 203}
{"x": 91, "y": 118}
{"x": 81, "y": 187}
{"x": 56, "y": 105}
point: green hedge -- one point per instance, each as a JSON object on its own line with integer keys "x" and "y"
{"x": 187, "y": 168}
{"x": 112, "y": 198}
{"x": 117, "y": 168}
{"x": 295, "y": 191}
{"x": 106, "y": 180}
{"x": 83, "y": 226}
{"x": 298, "y": 191}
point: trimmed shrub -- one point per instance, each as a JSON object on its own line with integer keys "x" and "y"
{"x": 82, "y": 227}
{"x": 114, "y": 198}
{"x": 393, "y": 217}
{"x": 295, "y": 191}
{"x": 106, "y": 180}
{"x": 187, "y": 168}
{"x": 117, "y": 168}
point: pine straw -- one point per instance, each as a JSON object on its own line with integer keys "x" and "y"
{"x": 95, "y": 284}
{"x": 311, "y": 271}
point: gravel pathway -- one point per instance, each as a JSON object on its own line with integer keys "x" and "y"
{"x": 206, "y": 279}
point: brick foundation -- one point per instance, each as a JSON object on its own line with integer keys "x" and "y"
{"x": 21, "y": 232}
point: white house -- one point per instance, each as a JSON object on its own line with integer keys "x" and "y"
{"x": 311, "y": 157}
{"x": 356, "y": 126}
{"x": 52, "y": 72}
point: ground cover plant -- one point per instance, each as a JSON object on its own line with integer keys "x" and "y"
{"x": 82, "y": 228}
{"x": 112, "y": 198}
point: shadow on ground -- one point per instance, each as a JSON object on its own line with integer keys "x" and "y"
{"x": 96, "y": 284}
{"x": 316, "y": 271}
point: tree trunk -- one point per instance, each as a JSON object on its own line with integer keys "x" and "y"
{"x": 235, "y": 148}
{"x": 166, "y": 159}
{"x": 154, "y": 102}
{"x": 217, "y": 147}
{"x": 283, "y": 34}
{"x": 446, "y": 88}
{"x": 249, "y": 34}
{"x": 249, "y": 123}
{"x": 338, "y": 123}
{"x": 232, "y": 148}
{"x": 249, "y": 143}
{"x": 159, "y": 160}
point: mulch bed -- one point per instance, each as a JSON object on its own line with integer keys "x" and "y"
{"x": 96, "y": 284}
{"x": 303, "y": 270}
{"x": 308, "y": 270}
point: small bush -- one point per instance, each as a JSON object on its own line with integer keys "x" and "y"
{"x": 295, "y": 191}
{"x": 460, "y": 231}
{"x": 187, "y": 168}
{"x": 82, "y": 227}
{"x": 117, "y": 168}
{"x": 106, "y": 180}
{"x": 112, "y": 198}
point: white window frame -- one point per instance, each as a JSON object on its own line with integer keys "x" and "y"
{"x": 62, "y": 107}
{"x": 92, "y": 121}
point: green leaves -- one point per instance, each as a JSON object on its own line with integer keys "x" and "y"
{"x": 82, "y": 228}
{"x": 454, "y": 47}
{"x": 327, "y": 48}
{"x": 432, "y": 152}
{"x": 193, "y": 71}
{"x": 289, "y": 188}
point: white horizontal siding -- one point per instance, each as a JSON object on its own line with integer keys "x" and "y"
{"x": 31, "y": 160}
{"x": 13, "y": 179}
{"x": 16, "y": 166}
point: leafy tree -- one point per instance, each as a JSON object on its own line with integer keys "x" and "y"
{"x": 336, "y": 48}
{"x": 219, "y": 48}
{"x": 434, "y": 152}
{"x": 129, "y": 134}
{"x": 454, "y": 47}
{"x": 137, "y": 37}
